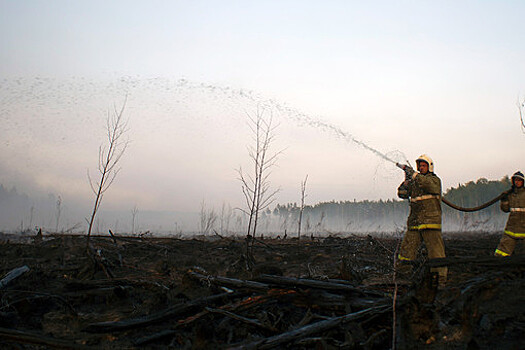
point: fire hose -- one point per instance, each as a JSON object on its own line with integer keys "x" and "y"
{"x": 452, "y": 205}
{"x": 479, "y": 207}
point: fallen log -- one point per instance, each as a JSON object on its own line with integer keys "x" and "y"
{"x": 333, "y": 302}
{"x": 180, "y": 309}
{"x": 291, "y": 282}
{"x": 309, "y": 283}
{"x": 318, "y": 299}
{"x": 13, "y": 274}
{"x": 26, "y": 337}
{"x": 229, "y": 282}
{"x": 311, "y": 329}
{"x": 241, "y": 305}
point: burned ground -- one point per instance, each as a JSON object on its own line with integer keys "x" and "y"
{"x": 320, "y": 293}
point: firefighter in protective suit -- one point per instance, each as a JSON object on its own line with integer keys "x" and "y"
{"x": 513, "y": 202}
{"x": 423, "y": 189}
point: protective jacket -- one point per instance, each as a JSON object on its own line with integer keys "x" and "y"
{"x": 514, "y": 203}
{"x": 424, "y": 193}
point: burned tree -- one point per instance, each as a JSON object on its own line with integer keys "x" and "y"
{"x": 226, "y": 216}
{"x": 134, "y": 213}
{"x": 207, "y": 218}
{"x": 59, "y": 211}
{"x": 256, "y": 186}
{"x": 108, "y": 158}
{"x": 301, "y": 209}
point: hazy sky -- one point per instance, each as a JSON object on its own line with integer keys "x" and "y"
{"x": 404, "y": 77}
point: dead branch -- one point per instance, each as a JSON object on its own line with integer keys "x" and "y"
{"x": 309, "y": 283}
{"x": 178, "y": 310}
{"x": 243, "y": 304}
{"x": 13, "y": 274}
{"x": 314, "y": 328}
{"x": 229, "y": 282}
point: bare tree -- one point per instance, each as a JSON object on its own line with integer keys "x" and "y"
{"x": 319, "y": 224}
{"x": 134, "y": 213}
{"x": 207, "y": 218}
{"x": 31, "y": 214}
{"x": 301, "y": 208}
{"x": 239, "y": 222}
{"x": 59, "y": 211}
{"x": 226, "y": 215}
{"x": 308, "y": 224}
{"x": 256, "y": 186}
{"x": 109, "y": 156}
{"x": 284, "y": 223}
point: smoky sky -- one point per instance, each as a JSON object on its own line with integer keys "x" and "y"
{"x": 366, "y": 86}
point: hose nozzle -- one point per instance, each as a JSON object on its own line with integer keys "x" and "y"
{"x": 401, "y": 166}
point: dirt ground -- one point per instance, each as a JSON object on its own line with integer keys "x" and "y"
{"x": 317, "y": 293}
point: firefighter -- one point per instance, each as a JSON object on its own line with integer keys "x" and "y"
{"x": 513, "y": 202}
{"x": 423, "y": 189}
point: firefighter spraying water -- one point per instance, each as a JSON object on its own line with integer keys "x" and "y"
{"x": 423, "y": 189}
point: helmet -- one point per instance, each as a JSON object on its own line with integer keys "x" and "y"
{"x": 518, "y": 175}
{"x": 428, "y": 160}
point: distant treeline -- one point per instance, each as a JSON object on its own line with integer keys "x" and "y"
{"x": 19, "y": 212}
{"x": 12, "y": 204}
{"x": 390, "y": 215}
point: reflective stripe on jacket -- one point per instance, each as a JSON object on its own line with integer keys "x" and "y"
{"x": 514, "y": 204}
{"x": 424, "y": 193}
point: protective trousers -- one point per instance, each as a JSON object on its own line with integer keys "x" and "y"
{"x": 506, "y": 245}
{"x": 435, "y": 247}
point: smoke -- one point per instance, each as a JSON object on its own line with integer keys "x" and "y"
{"x": 52, "y": 128}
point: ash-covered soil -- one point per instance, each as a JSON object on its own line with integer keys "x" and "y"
{"x": 316, "y": 293}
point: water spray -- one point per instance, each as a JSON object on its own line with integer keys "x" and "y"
{"x": 40, "y": 91}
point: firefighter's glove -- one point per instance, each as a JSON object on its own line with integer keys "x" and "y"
{"x": 409, "y": 173}
{"x": 506, "y": 193}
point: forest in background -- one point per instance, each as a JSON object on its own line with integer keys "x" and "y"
{"x": 20, "y": 212}
{"x": 391, "y": 215}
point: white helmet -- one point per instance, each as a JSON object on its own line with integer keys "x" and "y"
{"x": 518, "y": 175}
{"x": 428, "y": 160}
